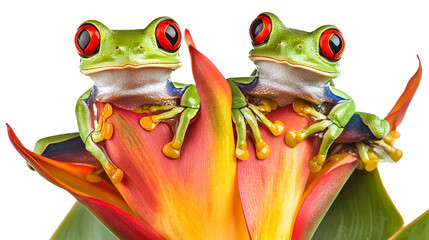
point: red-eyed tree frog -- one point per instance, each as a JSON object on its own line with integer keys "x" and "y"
{"x": 292, "y": 65}
{"x": 131, "y": 70}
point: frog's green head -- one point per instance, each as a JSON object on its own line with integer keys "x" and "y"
{"x": 103, "y": 49}
{"x": 318, "y": 51}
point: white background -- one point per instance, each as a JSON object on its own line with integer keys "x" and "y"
{"x": 40, "y": 80}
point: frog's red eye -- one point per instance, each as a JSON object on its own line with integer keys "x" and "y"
{"x": 168, "y": 35}
{"x": 331, "y": 44}
{"x": 260, "y": 29}
{"x": 87, "y": 40}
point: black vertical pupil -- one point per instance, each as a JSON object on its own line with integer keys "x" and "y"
{"x": 171, "y": 34}
{"x": 335, "y": 44}
{"x": 257, "y": 28}
{"x": 83, "y": 39}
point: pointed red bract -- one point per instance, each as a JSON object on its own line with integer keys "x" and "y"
{"x": 395, "y": 116}
{"x": 320, "y": 194}
{"x": 121, "y": 223}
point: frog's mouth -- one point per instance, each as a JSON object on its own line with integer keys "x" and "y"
{"x": 295, "y": 65}
{"x": 172, "y": 66}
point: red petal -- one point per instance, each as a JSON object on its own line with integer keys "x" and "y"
{"x": 320, "y": 193}
{"x": 121, "y": 223}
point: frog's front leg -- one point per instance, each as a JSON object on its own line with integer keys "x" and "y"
{"x": 188, "y": 109}
{"x": 91, "y": 136}
{"x": 242, "y": 113}
{"x": 333, "y": 124}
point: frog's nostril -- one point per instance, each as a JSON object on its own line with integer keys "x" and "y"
{"x": 117, "y": 47}
{"x": 299, "y": 46}
{"x": 141, "y": 47}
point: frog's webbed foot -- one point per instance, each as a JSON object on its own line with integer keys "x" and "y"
{"x": 103, "y": 131}
{"x": 247, "y": 114}
{"x": 171, "y": 149}
{"x": 293, "y": 137}
{"x": 114, "y": 173}
{"x": 240, "y": 117}
{"x": 387, "y": 145}
{"x": 370, "y": 157}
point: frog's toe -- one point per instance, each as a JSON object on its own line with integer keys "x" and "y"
{"x": 142, "y": 109}
{"x": 301, "y": 107}
{"x": 314, "y": 166}
{"x": 272, "y": 105}
{"x": 107, "y": 110}
{"x": 277, "y": 128}
{"x": 148, "y": 123}
{"x": 172, "y": 149}
{"x": 93, "y": 177}
{"x": 241, "y": 152}
{"x": 387, "y": 144}
{"x": 106, "y": 131}
{"x": 395, "y": 154}
{"x": 316, "y": 163}
{"x": 305, "y": 109}
{"x": 372, "y": 163}
{"x": 292, "y": 138}
{"x": 391, "y": 137}
{"x": 115, "y": 174}
{"x": 262, "y": 149}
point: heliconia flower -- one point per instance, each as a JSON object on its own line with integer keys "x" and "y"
{"x": 206, "y": 193}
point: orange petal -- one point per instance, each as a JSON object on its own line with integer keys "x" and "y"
{"x": 320, "y": 193}
{"x": 395, "y": 116}
{"x": 271, "y": 190}
{"x": 195, "y": 195}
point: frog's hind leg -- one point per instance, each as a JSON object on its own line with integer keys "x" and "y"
{"x": 262, "y": 148}
{"x": 369, "y": 157}
{"x": 172, "y": 149}
{"x": 102, "y": 132}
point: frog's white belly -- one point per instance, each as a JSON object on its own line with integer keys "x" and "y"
{"x": 283, "y": 84}
{"x": 132, "y": 88}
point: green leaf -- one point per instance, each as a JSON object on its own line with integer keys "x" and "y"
{"x": 362, "y": 210}
{"x": 81, "y": 224}
{"x": 418, "y": 229}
